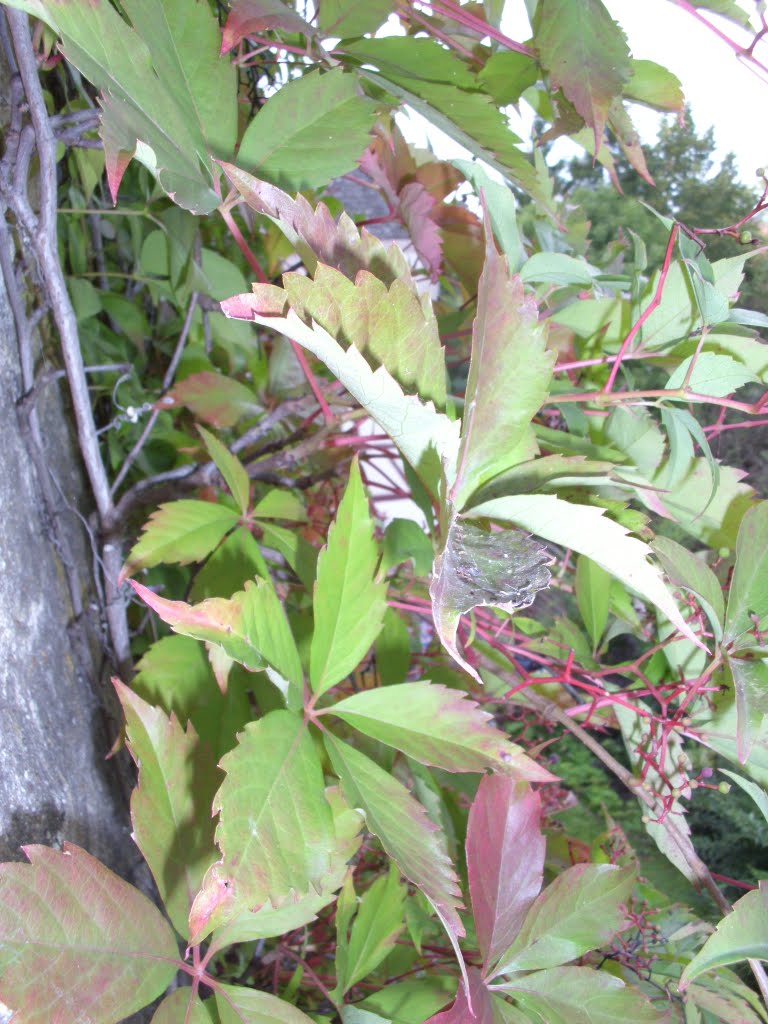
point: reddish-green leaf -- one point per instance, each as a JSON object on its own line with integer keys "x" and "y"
{"x": 161, "y": 84}
{"x": 394, "y": 327}
{"x": 180, "y": 532}
{"x": 275, "y": 832}
{"x": 509, "y": 374}
{"x": 403, "y": 828}
{"x": 578, "y": 995}
{"x": 254, "y": 17}
{"x": 586, "y": 54}
{"x": 581, "y": 910}
{"x": 251, "y": 627}
{"x": 270, "y": 921}
{"x": 475, "y": 993}
{"x": 213, "y": 398}
{"x": 250, "y": 1006}
{"x": 77, "y": 943}
{"x": 348, "y": 603}
{"x": 437, "y": 726}
{"x": 741, "y": 935}
{"x": 182, "y": 1007}
{"x": 505, "y": 860}
{"x": 312, "y": 130}
{"x": 171, "y": 806}
{"x": 231, "y": 468}
{"x": 479, "y": 568}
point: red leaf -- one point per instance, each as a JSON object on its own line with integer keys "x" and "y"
{"x": 251, "y": 17}
{"x": 505, "y": 860}
{"x": 475, "y": 1006}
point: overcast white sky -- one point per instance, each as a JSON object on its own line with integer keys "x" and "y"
{"x": 723, "y": 91}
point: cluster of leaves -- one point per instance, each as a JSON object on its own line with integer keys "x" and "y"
{"x": 342, "y": 736}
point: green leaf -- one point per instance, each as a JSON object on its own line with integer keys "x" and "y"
{"x": 507, "y": 74}
{"x": 348, "y": 603}
{"x": 231, "y": 468}
{"x": 346, "y": 18}
{"x": 691, "y": 572}
{"x": 548, "y": 471}
{"x": 479, "y": 568}
{"x": 405, "y": 541}
{"x": 579, "y": 911}
{"x": 310, "y": 131}
{"x": 579, "y": 995}
{"x": 251, "y": 627}
{"x": 682, "y": 430}
{"x": 655, "y": 86}
{"x": 379, "y": 920}
{"x": 592, "y": 597}
{"x": 270, "y": 921}
{"x": 586, "y": 54}
{"x": 72, "y": 929}
{"x": 276, "y": 830}
{"x": 508, "y": 345}
{"x": 241, "y": 1005}
{"x": 411, "y": 1001}
{"x": 741, "y": 935}
{"x": 183, "y": 1005}
{"x": 277, "y": 504}
{"x": 757, "y": 793}
{"x": 178, "y": 533}
{"x": 727, "y": 9}
{"x": 392, "y": 650}
{"x": 405, "y": 831}
{"x": 437, "y": 726}
{"x": 750, "y": 685}
{"x": 712, "y": 375}
{"x": 748, "y": 595}
{"x": 499, "y": 201}
{"x": 166, "y": 95}
{"x": 171, "y": 806}
{"x": 426, "y": 438}
{"x": 556, "y": 268}
{"x": 214, "y": 398}
{"x": 585, "y": 529}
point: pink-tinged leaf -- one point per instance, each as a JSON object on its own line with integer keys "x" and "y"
{"x": 581, "y": 910}
{"x": 251, "y": 627}
{"x": 213, "y": 398}
{"x": 579, "y": 995}
{"x": 480, "y": 568}
{"x": 183, "y": 1006}
{"x": 315, "y": 234}
{"x": 77, "y": 943}
{"x": 390, "y": 165}
{"x": 405, "y": 831}
{"x": 276, "y": 830}
{"x": 271, "y": 921}
{"x": 505, "y": 861}
{"x": 437, "y": 726}
{"x": 348, "y": 604}
{"x": 254, "y": 17}
{"x": 509, "y": 375}
{"x": 241, "y": 1005}
{"x": 171, "y": 806}
{"x": 178, "y": 533}
{"x": 586, "y": 54}
{"x": 394, "y": 327}
{"x": 473, "y": 1004}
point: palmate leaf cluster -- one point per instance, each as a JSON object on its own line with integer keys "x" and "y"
{"x": 344, "y": 722}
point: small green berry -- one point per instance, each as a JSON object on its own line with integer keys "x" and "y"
{"x": 745, "y": 237}
{"x": 724, "y": 787}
